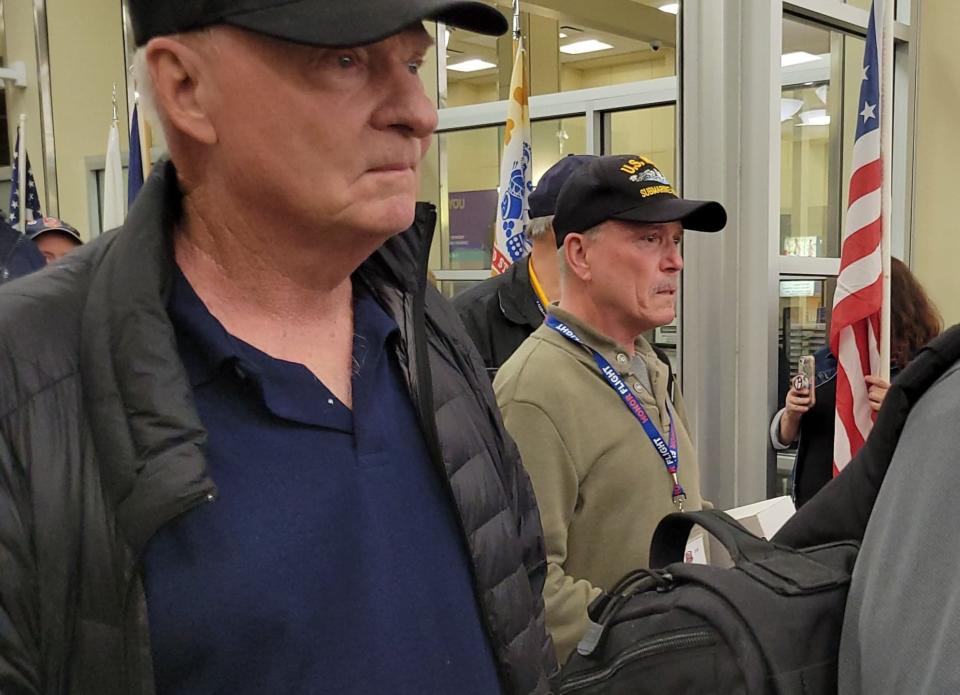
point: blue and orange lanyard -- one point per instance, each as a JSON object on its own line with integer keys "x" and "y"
{"x": 668, "y": 449}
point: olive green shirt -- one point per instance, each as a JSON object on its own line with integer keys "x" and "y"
{"x": 600, "y": 484}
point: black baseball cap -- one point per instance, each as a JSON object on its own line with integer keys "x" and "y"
{"x": 315, "y": 22}
{"x": 628, "y": 187}
{"x": 543, "y": 200}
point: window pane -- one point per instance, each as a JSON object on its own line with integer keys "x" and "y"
{"x": 805, "y": 305}
{"x": 472, "y": 176}
{"x": 818, "y": 112}
{"x": 570, "y": 46}
{"x": 649, "y": 131}
{"x": 804, "y": 320}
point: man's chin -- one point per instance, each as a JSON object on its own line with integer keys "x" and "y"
{"x": 391, "y": 217}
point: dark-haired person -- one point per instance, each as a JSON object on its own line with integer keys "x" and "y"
{"x": 810, "y": 414}
{"x": 233, "y": 452}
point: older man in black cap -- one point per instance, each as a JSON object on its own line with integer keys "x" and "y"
{"x": 232, "y": 452}
{"x": 500, "y": 313}
{"x": 602, "y": 431}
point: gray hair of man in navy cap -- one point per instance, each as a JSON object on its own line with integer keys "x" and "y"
{"x": 543, "y": 200}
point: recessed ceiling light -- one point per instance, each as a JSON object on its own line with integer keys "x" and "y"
{"x": 562, "y": 35}
{"x": 796, "y": 58}
{"x": 815, "y": 117}
{"x": 472, "y": 65}
{"x": 670, "y": 8}
{"x": 588, "y": 46}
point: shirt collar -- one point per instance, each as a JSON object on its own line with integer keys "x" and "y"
{"x": 289, "y": 390}
{"x": 205, "y": 345}
{"x": 605, "y": 345}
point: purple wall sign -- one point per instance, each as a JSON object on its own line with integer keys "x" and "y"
{"x": 472, "y": 217}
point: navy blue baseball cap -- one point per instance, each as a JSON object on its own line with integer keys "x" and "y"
{"x": 42, "y": 225}
{"x": 543, "y": 200}
{"x": 628, "y": 187}
{"x": 315, "y": 22}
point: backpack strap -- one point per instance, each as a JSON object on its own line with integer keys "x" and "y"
{"x": 662, "y": 356}
{"x": 670, "y": 537}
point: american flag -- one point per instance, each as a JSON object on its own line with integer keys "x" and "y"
{"x": 32, "y": 200}
{"x": 855, "y": 326}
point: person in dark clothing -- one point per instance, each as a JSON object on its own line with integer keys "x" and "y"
{"x": 810, "y": 414}
{"x": 18, "y": 255}
{"x": 236, "y": 461}
{"x": 500, "y": 313}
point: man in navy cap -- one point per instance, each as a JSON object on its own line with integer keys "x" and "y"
{"x": 54, "y": 237}
{"x": 501, "y": 312}
{"x": 232, "y": 448}
{"x": 602, "y": 431}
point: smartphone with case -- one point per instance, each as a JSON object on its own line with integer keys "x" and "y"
{"x": 806, "y": 371}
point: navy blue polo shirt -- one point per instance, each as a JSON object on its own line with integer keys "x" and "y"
{"x": 332, "y": 561}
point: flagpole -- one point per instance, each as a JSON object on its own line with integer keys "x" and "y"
{"x": 22, "y": 173}
{"x": 146, "y": 144}
{"x": 886, "y": 149}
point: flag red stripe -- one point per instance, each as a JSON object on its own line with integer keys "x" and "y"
{"x": 861, "y": 243}
{"x": 855, "y": 307}
{"x": 865, "y": 180}
{"x": 845, "y": 411}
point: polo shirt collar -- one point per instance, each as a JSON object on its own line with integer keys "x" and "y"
{"x": 289, "y": 390}
{"x": 605, "y": 345}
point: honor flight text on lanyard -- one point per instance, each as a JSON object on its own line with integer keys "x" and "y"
{"x": 666, "y": 449}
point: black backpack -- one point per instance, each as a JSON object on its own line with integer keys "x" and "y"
{"x": 768, "y": 625}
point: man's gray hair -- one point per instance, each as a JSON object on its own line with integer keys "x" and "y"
{"x": 144, "y": 87}
{"x": 539, "y": 226}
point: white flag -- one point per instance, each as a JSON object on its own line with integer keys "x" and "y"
{"x": 114, "y": 193}
{"x": 510, "y": 242}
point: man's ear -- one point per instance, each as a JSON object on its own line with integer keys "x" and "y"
{"x": 575, "y": 253}
{"x": 177, "y": 70}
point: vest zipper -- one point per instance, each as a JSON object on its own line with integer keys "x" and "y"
{"x": 424, "y": 395}
{"x": 205, "y": 497}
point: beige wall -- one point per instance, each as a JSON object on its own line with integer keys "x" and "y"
{"x": 936, "y": 224}
{"x": 21, "y": 45}
{"x": 86, "y": 60}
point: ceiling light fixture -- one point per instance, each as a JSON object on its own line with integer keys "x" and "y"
{"x": 670, "y": 8}
{"x": 588, "y": 46}
{"x": 562, "y": 35}
{"x": 815, "y": 117}
{"x": 472, "y": 65}
{"x": 796, "y": 58}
